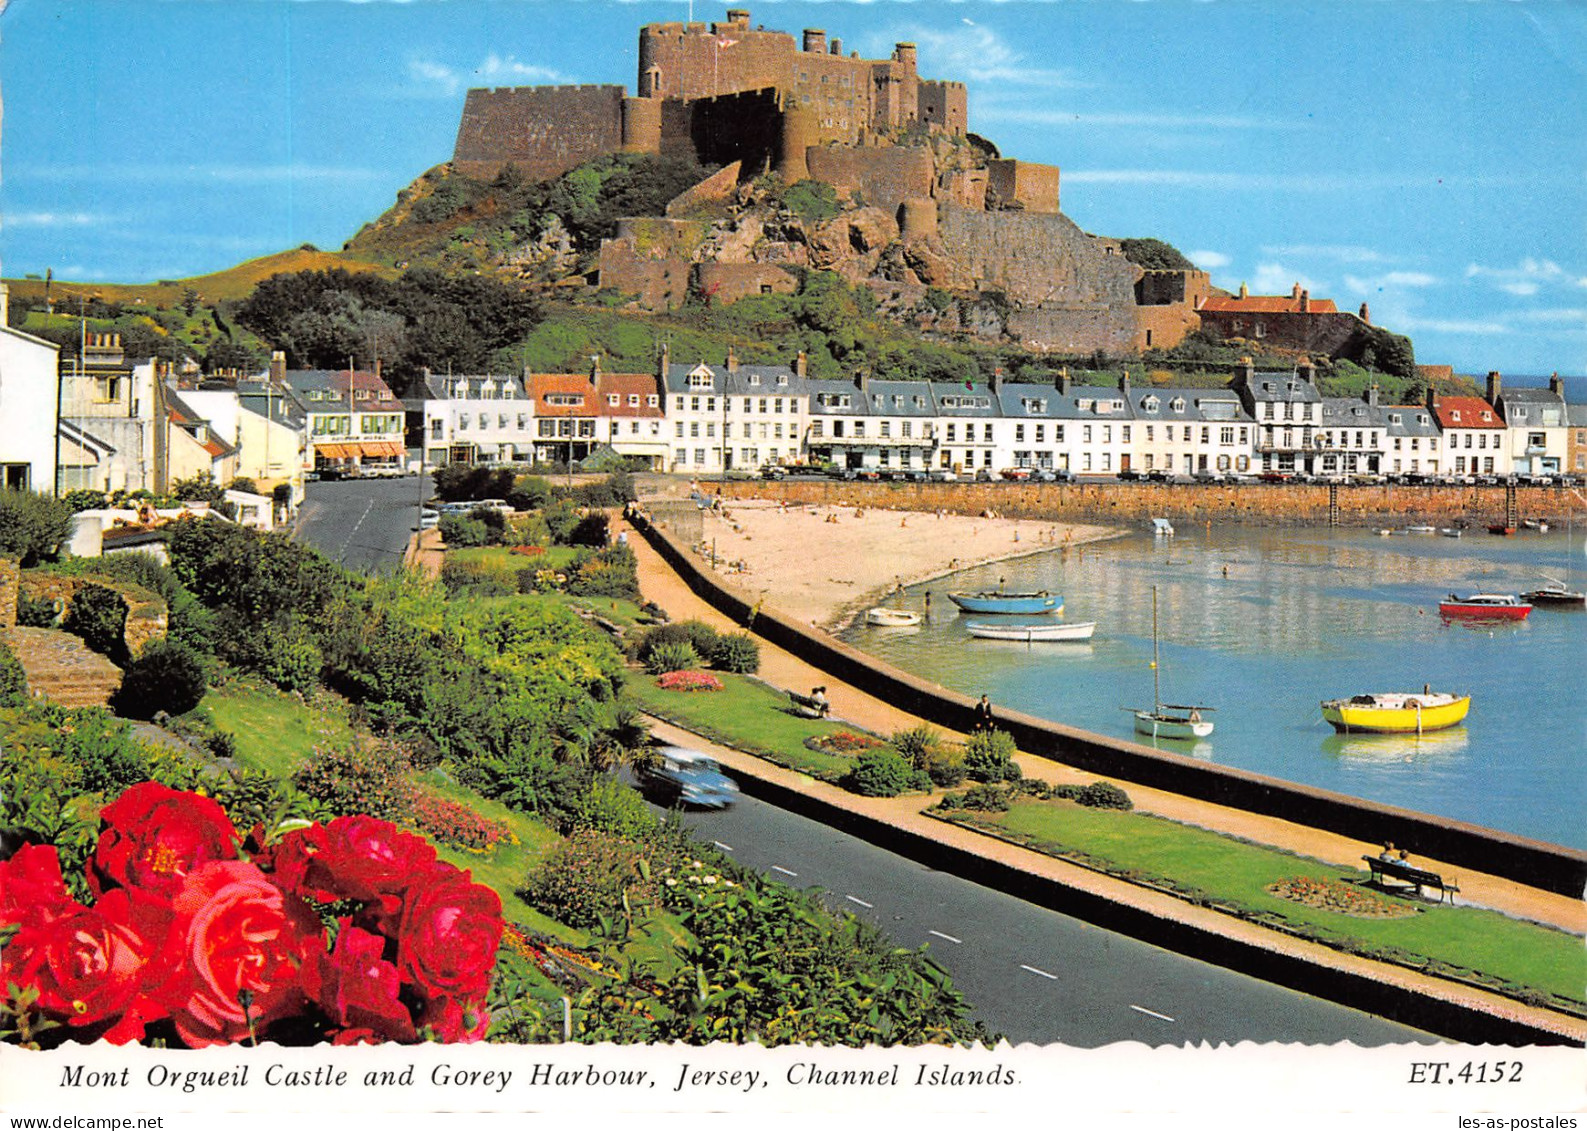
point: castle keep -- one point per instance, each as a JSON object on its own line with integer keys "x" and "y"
{"x": 929, "y": 207}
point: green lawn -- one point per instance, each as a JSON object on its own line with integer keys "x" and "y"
{"x": 1236, "y": 874}
{"x": 747, "y": 715}
{"x": 274, "y": 731}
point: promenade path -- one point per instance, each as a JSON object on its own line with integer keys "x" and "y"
{"x": 660, "y": 583}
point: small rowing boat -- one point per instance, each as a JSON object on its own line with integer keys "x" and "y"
{"x": 997, "y": 601}
{"x": 891, "y": 618}
{"x": 1396, "y": 712}
{"x": 1033, "y": 633}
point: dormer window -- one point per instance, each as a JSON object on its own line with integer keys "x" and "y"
{"x": 633, "y": 400}
{"x": 1151, "y": 404}
{"x": 1455, "y": 415}
{"x": 613, "y": 400}
{"x": 1177, "y": 404}
{"x": 754, "y": 378}
{"x": 782, "y": 378}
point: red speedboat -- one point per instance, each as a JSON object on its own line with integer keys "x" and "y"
{"x": 1485, "y": 606}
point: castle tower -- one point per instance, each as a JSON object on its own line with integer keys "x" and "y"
{"x": 917, "y": 219}
{"x": 815, "y": 40}
{"x": 641, "y": 125}
{"x": 799, "y": 132}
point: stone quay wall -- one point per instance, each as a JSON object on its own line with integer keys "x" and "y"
{"x": 1134, "y": 504}
{"x": 1538, "y": 863}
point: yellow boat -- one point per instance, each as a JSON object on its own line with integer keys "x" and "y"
{"x": 1396, "y": 712}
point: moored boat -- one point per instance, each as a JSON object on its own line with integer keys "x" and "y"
{"x": 1396, "y": 712}
{"x": 997, "y": 601}
{"x": 1033, "y": 633}
{"x": 1168, "y": 720}
{"x": 1421, "y": 530}
{"x": 1451, "y": 531}
{"x": 891, "y": 618}
{"x": 1556, "y": 593}
{"x": 1502, "y": 528}
{"x": 1484, "y": 606}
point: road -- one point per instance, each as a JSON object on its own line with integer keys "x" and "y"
{"x": 1033, "y": 974}
{"x": 364, "y": 524}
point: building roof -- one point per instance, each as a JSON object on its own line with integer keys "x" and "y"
{"x": 183, "y": 416}
{"x": 1409, "y": 420}
{"x": 1298, "y": 302}
{"x": 1269, "y": 385}
{"x": 1466, "y": 412}
{"x": 370, "y": 393}
{"x": 746, "y": 380}
{"x": 1171, "y": 403}
{"x": 550, "y": 394}
{"x": 1351, "y": 412}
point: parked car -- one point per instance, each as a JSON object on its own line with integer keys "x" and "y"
{"x": 773, "y": 471}
{"x": 1130, "y": 474}
{"x": 983, "y": 475}
{"x": 1054, "y": 475}
{"x": 1277, "y": 477}
{"x": 1209, "y": 475}
{"x": 1015, "y": 473}
{"x": 429, "y": 518}
{"x": 943, "y": 475}
{"x": 676, "y": 775}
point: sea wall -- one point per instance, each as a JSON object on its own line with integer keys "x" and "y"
{"x": 1548, "y": 866}
{"x": 1132, "y": 504}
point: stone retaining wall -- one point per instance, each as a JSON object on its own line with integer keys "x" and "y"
{"x": 1258, "y": 504}
{"x": 1537, "y": 863}
{"x": 147, "y": 616}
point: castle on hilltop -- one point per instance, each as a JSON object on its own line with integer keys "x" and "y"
{"x": 929, "y": 207}
{"x": 725, "y": 92}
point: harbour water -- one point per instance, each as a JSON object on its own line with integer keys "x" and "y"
{"x": 1264, "y": 624}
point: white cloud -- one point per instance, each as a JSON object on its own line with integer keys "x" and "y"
{"x": 1277, "y": 279}
{"x": 977, "y": 54}
{"x": 50, "y": 219}
{"x": 1451, "y": 326}
{"x": 1119, "y": 120}
{"x": 1339, "y": 253}
{"x": 1389, "y": 281}
{"x": 1572, "y": 317}
{"x": 1209, "y": 260}
{"x": 495, "y": 70}
{"x": 1528, "y": 277}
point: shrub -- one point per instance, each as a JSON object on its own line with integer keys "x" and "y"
{"x": 1104, "y": 795}
{"x": 591, "y": 877}
{"x": 359, "y": 776}
{"x": 99, "y": 616}
{"x": 168, "y": 677}
{"x": 37, "y": 612}
{"x": 33, "y": 527}
{"x": 672, "y": 658}
{"x": 735, "y": 652}
{"x": 590, "y": 530}
{"x": 986, "y": 798}
{"x": 612, "y": 572}
{"x": 881, "y": 773}
{"x": 478, "y": 577}
{"x": 13, "y": 680}
{"x": 842, "y": 742}
{"x": 944, "y": 766}
{"x": 529, "y": 493}
{"x": 697, "y": 634}
{"x": 917, "y": 744}
{"x": 289, "y": 657}
{"x": 612, "y": 807}
{"x": 463, "y": 531}
{"x": 988, "y": 756}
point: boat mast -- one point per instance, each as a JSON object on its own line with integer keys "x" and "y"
{"x": 1157, "y": 694}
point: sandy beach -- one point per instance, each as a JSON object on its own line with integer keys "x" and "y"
{"x": 825, "y": 564}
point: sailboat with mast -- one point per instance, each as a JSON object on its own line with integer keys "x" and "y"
{"x": 1168, "y": 720}
{"x": 1558, "y": 592}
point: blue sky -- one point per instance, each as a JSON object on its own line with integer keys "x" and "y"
{"x": 1428, "y": 157}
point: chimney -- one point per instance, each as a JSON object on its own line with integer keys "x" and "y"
{"x": 665, "y": 363}
{"x": 1294, "y": 292}
{"x": 732, "y": 360}
{"x": 1306, "y": 371}
{"x": 837, "y": 47}
{"x": 1432, "y": 398}
{"x": 1365, "y": 315}
{"x": 1124, "y": 383}
{"x": 738, "y": 16}
{"x": 595, "y": 368}
{"x": 997, "y": 380}
{"x": 1244, "y": 291}
{"x": 1245, "y": 370}
{"x": 278, "y": 366}
{"x": 377, "y": 369}
{"x": 815, "y": 40}
{"x": 1495, "y": 386}
{"x": 1371, "y": 395}
{"x": 1556, "y": 385}
{"x": 1061, "y": 382}
{"x": 801, "y": 364}
{"x": 1305, "y": 302}
{"x": 862, "y": 381}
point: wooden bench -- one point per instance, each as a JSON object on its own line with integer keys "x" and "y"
{"x": 809, "y": 706}
{"x": 1417, "y": 878}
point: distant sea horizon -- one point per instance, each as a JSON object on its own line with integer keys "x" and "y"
{"x": 1575, "y": 387}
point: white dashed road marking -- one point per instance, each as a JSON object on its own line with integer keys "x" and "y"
{"x": 723, "y": 847}
{"x": 857, "y": 899}
{"x": 784, "y": 871}
{"x": 1043, "y": 973}
{"x": 940, "y": 935}
{"x": 1151, "y": 1012}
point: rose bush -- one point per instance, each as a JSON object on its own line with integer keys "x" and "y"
{"x": 349, "y": 932}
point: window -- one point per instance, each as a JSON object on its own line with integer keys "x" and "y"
{"x": 613, "y": 400}
{"x": 679, "y": 433}
{"x": 633, "y": 400}
{"x": 699, "y": 455}
{"x": 908, "y": 427}
{"x": 1019, "y": 433}
{"x": 1124, "y": 433}
{"x": 1085, "y": 434}
{"x": 1041, "y": 430}
{"x": 1226, "y": 435}
{"x": 680, "y": 455}
{"x": 694, "y": 429}
{"x": 986, "y": 434}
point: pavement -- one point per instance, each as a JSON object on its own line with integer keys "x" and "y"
{"x": 660, "y": 583}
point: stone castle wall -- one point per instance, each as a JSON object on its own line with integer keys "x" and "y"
{"x": 1312, "y": 332}
{"x": 1023, "y": 184}
{"x": 543, "y": 130}
{"x": 885, "y": 177}
{"x": 1066, "y": 293}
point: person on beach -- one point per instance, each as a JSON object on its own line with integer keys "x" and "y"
{"x": 983, "y": 714}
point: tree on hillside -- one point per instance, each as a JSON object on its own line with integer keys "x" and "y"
{"x": 1155, "y": 255}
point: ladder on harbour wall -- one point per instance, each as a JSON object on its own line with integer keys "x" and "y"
{"x": 1333, "y": 504}
{"x": 1512, "y": 512}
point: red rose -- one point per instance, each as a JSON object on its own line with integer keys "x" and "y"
{"x": 360, "y": 858}
{"x": 456, "y": 1022}
{"x": 31, "y": 887}
{"x": 236, "y": 945}
{"x": 88, "y": 964}
{"x": 357, "y": 988}
{"x": 154, "y": 836}
{"x": 450, "y": 930}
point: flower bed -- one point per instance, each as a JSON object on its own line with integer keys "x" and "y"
{"x": 350, "y": 932}
{"x": 1331, "y": 895}
{"x": 454, "y": 823}
{"x": 843, "y": 742}
{"x": 688, "y": 680}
